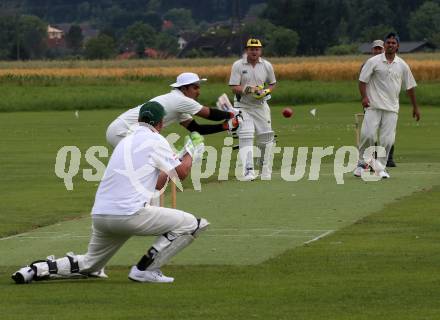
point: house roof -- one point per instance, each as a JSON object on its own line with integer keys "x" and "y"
{"x": 53, "y": 30}
{"x": 219, "y": 46}
{"x": 87, "y": 30}
{"x": 405, "y": 46}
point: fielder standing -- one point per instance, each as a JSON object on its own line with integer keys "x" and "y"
{"x": 380, "y": 83}
{"x": 139, "y": 164}
{"x": 252, "y": 80}
{"x": 377, "y": 48}
{"x": 180, "y": 105}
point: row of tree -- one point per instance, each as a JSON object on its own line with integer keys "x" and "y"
{"x": 287, "y": 27}
{"x": 325, "y": 23}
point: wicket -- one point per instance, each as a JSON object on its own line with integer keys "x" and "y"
{"x": 358, "y": 118}
{"x": 173, "y": 196}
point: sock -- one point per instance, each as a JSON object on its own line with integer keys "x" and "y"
{"x": 146, "y": 259}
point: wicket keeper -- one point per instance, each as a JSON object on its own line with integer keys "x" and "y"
{"x": 140, "y": 164}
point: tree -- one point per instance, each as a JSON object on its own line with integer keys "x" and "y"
{"x": 153, "y": 19}
{"x": 316, "y": 21}
{"x": 370, "y": 13}
{"x": 260, "y": 28}
{"x": 101, "y": 47}
{"x": 435, "y": 39}
{"x": 376, "y": 32}
{"x": 342, "y": 49}
{"x": 166, "y": 43}
{"x": 7, "y": 36}
{"x": 139, "y": 34}
{"x": 283, "y": 42}
{"x": 32, "y": 33}
{"x": 74, "y": 38}
{"x": 425, "y": 22}
{"x": 181, "y": 19}
{"x": 140, "y": 47}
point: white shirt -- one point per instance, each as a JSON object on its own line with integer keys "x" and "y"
{"x": 384, "y": 81}
{"x": 177, "y": 106}
{"x": 131, "y": 175}
{"x": 244, "y": 74}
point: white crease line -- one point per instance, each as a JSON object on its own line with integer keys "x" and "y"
{"x": 276, "y": 233}
{"x": 54, "y": 237}
{"x": 267, "y": 229}
{"x": 319, "y": 237}
{"x": 34, "y": 235}
{"x": 393, "y": 173}
{"x": 10, "y": 237}
{"x": 254, "y": 235}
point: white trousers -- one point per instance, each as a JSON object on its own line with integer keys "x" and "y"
{"x": 256, "y": 122}
{"x": 116, "y": 131}
{"x": 385, "y": 122}
{"x": 110, "y": 232}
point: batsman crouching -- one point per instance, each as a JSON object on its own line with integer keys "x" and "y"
{"x": 141, "y": 163}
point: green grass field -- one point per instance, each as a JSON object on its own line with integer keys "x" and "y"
{"x": 46, "y": 94}
{"x": 275, "y": 249}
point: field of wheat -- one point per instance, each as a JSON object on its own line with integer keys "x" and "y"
{"x": 425, "y": 68}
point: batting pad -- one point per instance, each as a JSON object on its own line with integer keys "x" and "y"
{"x": 166, "y": 254}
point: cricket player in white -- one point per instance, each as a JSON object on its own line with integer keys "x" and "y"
{"x": 139, "y": 164}
{"x": 180, "y": 105}
{"x": 380, "y": 83}
{"x": 252, "y": 81}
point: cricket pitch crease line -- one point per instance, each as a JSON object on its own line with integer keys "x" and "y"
{"x": 421, "y": 173}
{"x": 271, "y": 233}
{"x": 320, "y": 236}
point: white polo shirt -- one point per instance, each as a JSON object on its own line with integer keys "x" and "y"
{"x": 384, "y": 81}
{"x": 177, "y": 106}
{"x": 131, "y": 175}
{"x": 244, "y": 74}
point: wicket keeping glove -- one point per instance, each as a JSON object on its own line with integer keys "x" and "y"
{"x": 232, "y": 124}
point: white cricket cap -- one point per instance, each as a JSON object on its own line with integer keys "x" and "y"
{"x": 377, "y": 43}
{"x": 186, "y": 78}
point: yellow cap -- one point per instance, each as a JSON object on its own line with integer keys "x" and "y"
{"x": 253, "y": 43}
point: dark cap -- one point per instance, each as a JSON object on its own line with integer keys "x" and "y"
{"x": 151, "y": 112}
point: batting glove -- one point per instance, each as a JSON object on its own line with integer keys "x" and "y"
{"x": 260, "y": 94}
{"x": 194, "y": 146}
{"x": 250, "y": 90}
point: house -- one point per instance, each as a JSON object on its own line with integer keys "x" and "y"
{"x": 185, "y": 37}
{"x": 87, "y": 30}
{"x": 181, "y": 42}
{"x": 55, "y": 37}
{"x": 219, "y": 41}
{"x": 405, "y": 47}
{"x": 54, "y": 33}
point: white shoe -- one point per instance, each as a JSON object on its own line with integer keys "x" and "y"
{"x": 249, "y": 175}
{"x": 148, "y": 276}
{"x": 383, "y": 174}
{"x": 266, "y": 174}
{"x": 99, "y": 274}
{"x": 361, "y": 168}
{"x": 23, "y": 275}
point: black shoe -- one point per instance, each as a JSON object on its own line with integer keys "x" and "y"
{"x": 391, "y": 163}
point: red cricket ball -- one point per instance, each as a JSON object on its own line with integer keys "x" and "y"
{"x": 287, "y": 112}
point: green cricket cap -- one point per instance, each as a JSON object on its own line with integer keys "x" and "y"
{"x": 151, "y": 112}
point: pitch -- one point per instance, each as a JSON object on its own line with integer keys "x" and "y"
{"x": 276, "y": 249}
